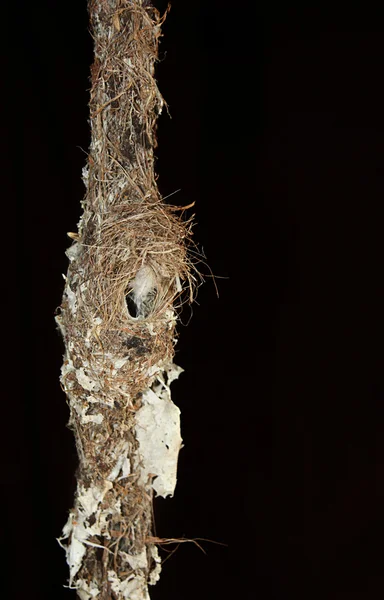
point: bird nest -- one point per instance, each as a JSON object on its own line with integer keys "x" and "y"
{"x": 131, "y": 267}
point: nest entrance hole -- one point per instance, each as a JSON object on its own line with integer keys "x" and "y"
{"x": 140, "y": 307}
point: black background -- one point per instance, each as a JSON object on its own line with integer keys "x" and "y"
{"x": 277, "y": 135}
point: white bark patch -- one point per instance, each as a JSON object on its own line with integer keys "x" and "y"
{"x": 98, "y": 419}
{"x": 134, "y": 587}
{"x": 154, "y": 575}
{"x": 158, "y": 434}
{"x": 77, "y": 529}
{"x": 118, "y": 363}
{"x": 122, "y": 464}
{"x": 86, "y": 382}
{"x": 85, "y": 591}
{"x": 138, "y": 561}
{"x": 72, "y": 299}
{"x": 73, "y": 251}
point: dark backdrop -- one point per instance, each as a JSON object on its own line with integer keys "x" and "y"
{"x": 277, "y": 134}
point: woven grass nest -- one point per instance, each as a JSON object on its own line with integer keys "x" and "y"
{"x": 124, "y": 285}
